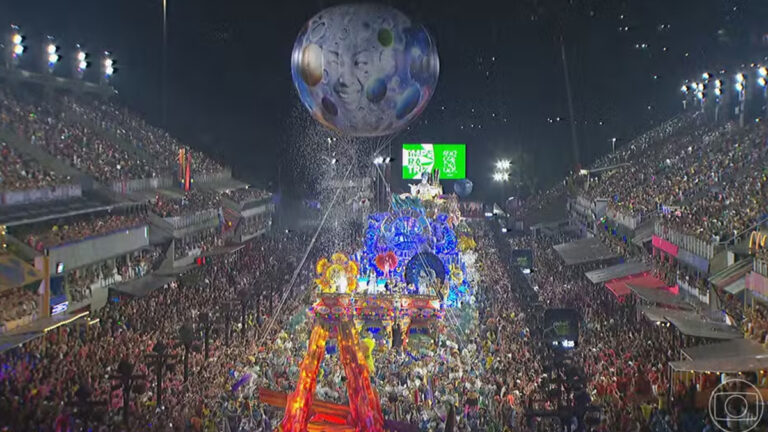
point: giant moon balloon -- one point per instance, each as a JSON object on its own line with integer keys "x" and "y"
{"x": 364, "y": 69}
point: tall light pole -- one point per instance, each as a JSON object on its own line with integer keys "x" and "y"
{"x": 741, "y": 89}
{"x": 684, "y": 91}
{"x": 718, "y": 96}
{"x": 81, "y": 62}
{"x": 108, "y": 67}
{"x": 17, "y": 46}
{"x": 165, "y": 64}
{"x": 762, "y": 81}
{"x": 51, "y": 54}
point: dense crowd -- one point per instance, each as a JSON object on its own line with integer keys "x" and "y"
{"x": 18, "y": 172}
{"x": 705, "y": 181}
{"x": 624, "y": 357}
{"x": 41, "y": 236}
{"x": 17, "y": 307}
{"x": 81, "y": 282}
{"x": 156, "y": 142}
{"x": 256, "y": 224}
{"x": 91, "y": 136}
{"x": 40, "y": 379}
{"x": 42, "y": 123}
{"x": 246, "y": 194}
{"x": 191, "y": 202}
{"x": 198, "y": 242}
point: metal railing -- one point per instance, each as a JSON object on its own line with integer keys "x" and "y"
{"x": 760, "y": 265}
{"x": 29, "y": 196}
{"x": 200, "y": 218}
{"x": 688, "y": 242}
{"x": 138, "y": 185}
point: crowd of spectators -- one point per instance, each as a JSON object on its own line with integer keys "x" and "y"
{"x": 39, "y": 379}
{"x": 80, "y": 282}
{"x": 192, "y": 201}
{"x": 73, "y": 130}
{"x": 200, "y": 242}
{"x": 705, "y": 181}
{"x": 43, "y": 235}
{"x": 246, "y": 194}
{"x": 155, "y": 141}
{"x": 625, "y": 357}
{"x": 42, "y": 123}
{"x": 255, "y": 224}
{"x": 18, "y": 172}
{"x": 18, "y": 306}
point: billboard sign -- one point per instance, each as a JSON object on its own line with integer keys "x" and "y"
{"x": 450, "y": 159}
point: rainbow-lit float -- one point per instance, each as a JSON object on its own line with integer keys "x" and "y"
{"x": 392, "y": 294}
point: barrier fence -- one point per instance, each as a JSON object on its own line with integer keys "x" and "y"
{"x": 29, "y": 196}
{"x": 690, "y": 243}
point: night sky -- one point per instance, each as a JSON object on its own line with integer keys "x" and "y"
{"x": 501, "y": 87}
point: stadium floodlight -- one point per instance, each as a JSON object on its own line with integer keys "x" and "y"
{"x": 684, "y": 88}
{"x": 378, "y": 160}
{"x": 18, "y": 50}
{"x": 16, "y": 39}
{"x": 739, "y": 86}
{"x": 763, "y": 71}
{"x": 109, "y": 69}
{"x": 51, "y": 54}
{"x": 718, "y": 92}
{"x": 739, "y": 77}
{"x": 81, "y": 61}
{"x": 761, "y": 81}
{"x": 705, "y": 76}
{"x": 500, "y": 177}
{"x": 503, "y": 165}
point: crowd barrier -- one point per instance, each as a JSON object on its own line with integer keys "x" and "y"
{"x": 628, "y": 220}
{"x": 30, "y": 196}
{"x": 693, "y": 291}
{"x": 760, "y": 266}
{"x": 225, "y": 174}
{"x": 690, "y": 243}
{"x": 203, "y": 217}
{"x": 138, "y": 185}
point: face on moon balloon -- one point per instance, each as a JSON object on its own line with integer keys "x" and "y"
{"x": 364, "y": 69}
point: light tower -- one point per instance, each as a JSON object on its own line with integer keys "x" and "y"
{"x": 741, "y": 90}
{"x": 81, "y": 61}
{"x": 108, "y": 67}
{"x": 16, "y": 48}
{"x": 51, "y": 54}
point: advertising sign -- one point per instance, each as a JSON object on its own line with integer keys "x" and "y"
{"x": 450, "y": 159}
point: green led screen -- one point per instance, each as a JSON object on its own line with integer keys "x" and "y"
{"x": 450, "y": 159}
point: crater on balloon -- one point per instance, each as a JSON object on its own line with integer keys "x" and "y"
{"x": 311, "y": 65}
{"x": 376, "y": 90}
{"x": 330, "y": 107}
{"x": 385, "y": 37}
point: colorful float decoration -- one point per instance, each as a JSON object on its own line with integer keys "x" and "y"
{"x": 339, "y": 275}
